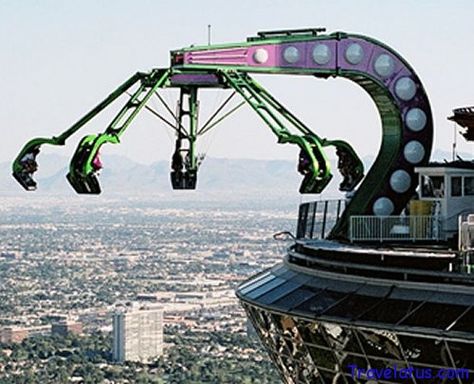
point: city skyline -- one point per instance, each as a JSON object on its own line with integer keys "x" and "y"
{"x": 89, "y": 255}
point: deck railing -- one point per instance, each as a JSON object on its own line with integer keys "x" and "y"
{"x": 317, "y": 218}
{"x": 396, "y": 228}
{"x": 466, "y": 241}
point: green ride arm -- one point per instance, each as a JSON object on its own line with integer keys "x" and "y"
{"x": 318, "y": 172}
{"x": 350, "y": 165}
{"x": 23, "y": 175}
{"x": 101, "y": 106}
{"x": 29, "y": 147}
{"x": 95, "y": 142}
{"x": 82, "y": 174}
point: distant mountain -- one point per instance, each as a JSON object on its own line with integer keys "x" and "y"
{"x": 120, "y": 174}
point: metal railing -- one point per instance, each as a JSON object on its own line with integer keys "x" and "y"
{"x": 316, "y": 219}
{"x": 466, "y": 241}
{"x": 466, "y": 232}
{"x": 397, "y": 228}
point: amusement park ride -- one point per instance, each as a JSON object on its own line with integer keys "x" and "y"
{"x": 384, "y": 279}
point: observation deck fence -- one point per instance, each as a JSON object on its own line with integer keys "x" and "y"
{"x": 396, "y": 228}
{"x": 316, "y": 219}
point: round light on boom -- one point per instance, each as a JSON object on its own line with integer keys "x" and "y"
{"x": 415, "y": 119}
{"x": 405, "y": 88}
{"x": 383, "y": 206}
{"x": 400, "y": 181}
{"x": 384, "y": 65}
{"x": 354, "y": 54}
{"x": 414, "y": 152}
{"x": 260, "y": 56}
{"x": 321, "y": 54}
{"x": 291, "y": 54}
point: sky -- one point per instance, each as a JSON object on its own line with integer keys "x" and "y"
{"x": 60, "y": 58}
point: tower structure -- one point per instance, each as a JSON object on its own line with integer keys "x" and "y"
{"x": 137, "y": 333}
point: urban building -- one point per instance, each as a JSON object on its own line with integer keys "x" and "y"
{"x": 137, "y": 332}
{"x": 65, "y": 327}
{"x": 18, "y": 334}
{"x": 13, "y": 335}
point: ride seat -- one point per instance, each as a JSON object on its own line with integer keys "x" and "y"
{"x": 88, "y": 184}
{"x": 183, "y": 180}
{"x": 25, "y": 180}
{"x": 83, "y": 183}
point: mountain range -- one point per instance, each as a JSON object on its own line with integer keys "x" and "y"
{"x": 120, "y": 174}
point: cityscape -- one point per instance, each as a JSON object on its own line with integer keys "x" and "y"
{"x": 69, "y": 267}
{"x": 220, "y": 193}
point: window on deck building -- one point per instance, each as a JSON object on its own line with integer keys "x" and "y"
{"x": 456, "y": 186}
{"x": 432, "y": 186}
{"x": 469, "y": 186}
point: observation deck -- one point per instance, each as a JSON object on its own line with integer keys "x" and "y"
{"x": 399, "y": 290}
{"x": 330, "y": 304}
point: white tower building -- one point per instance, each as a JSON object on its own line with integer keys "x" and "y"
{"x": 137, "y": 333}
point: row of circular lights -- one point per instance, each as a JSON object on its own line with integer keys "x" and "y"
{"x": 405, "y": 90}
{"x": 415, "y": 120}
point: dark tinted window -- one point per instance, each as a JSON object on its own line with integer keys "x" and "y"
{"x": 380, "y": 344}
{"x": 409, "y": 294}
{"x": 463, "y": 355}
{"x": 342, "y": 339}
{"x": 262, "y": 279}
{"x": 448, "y": 298}
{"x": 288, "y": 275}
{"x": 456, "y": 186}
{"x": 322, "y": 357}
{"x": 334, "y": 285}
{"x": 353, "y": 359}
{"x": 432, "y": 315}
{"x": 469, "y": 186}
{"x": 374, "y": 290}
{"x": 275, "y": 282}
{"x": 278, "y": 292}
{"x": 465, "y": 323}
{"x": 312, "y": 333}
{"x": 295, "y": 298}
{"x": 322, "y": 301}
{"x": 424, "y": 351}
{"x": 390, "y": 311}
{"x": 353, "y": 306}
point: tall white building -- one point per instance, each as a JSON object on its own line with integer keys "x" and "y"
{"x": 137, "y": 333}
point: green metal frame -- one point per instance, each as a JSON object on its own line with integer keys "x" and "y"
{"x": 36, "y": 143}
{"x": 82, "y": 175}
{"x": 274, "y": 114}
{"x": 278, "y": 118}
{"x": 81, "y": 169}
{"x": 390, "y": 114}
{"x": 184, "y": 172}
{"x": 236, "y": 76}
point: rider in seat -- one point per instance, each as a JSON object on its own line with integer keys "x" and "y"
{"x": 350, "y": 169}
{"x": 177, "y": 159}
{"x": 346, "y": 167}
{"x": 304, "y": 163}
{"x": 29, "y": 166}
{"x": 97, "y": 163}
{"x": 177, "y": 165}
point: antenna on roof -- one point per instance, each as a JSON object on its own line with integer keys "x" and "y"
{"x": 209, "y": 34}
{"x": 454, "y": 140}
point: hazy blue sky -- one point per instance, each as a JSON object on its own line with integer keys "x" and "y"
{"x": 59, "y": 58}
